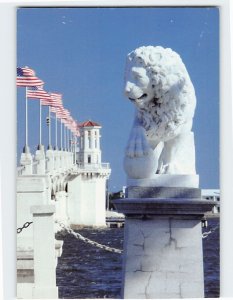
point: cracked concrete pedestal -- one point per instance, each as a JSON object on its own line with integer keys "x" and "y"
{"x": 163, "y": 243}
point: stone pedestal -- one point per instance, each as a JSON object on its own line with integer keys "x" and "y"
{"x": 166, "y": 180}
{"x": 86, "y": 202}
{"x": 50, "y": 160}
{"x": 44, "y": 252}
{"x": 163, "y": 243}
{"x": 56, "y": 160}
{"x": 26, "y": 161}
{"x": 40, "y": 158}
{"x": 31, "y": 190}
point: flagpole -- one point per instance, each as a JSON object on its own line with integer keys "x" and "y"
{"x": 40, "y": 125}
{"x": 26, "y": 124}
{"x": 61, "y": 134}
{"x": 56, "y": 132}
{"x": 64, "y": 136}
{"x": 49, "y": 123}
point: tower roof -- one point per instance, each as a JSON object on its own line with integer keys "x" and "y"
{"x": 89, "y": 123}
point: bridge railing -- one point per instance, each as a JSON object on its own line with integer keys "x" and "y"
{"x": 34, "y": 166}
{"x": 92, "y": 166}
{"x": 20, "y": 170}
{"x": 54, "y": 162}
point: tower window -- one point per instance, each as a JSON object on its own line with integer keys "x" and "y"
{"x": 89, "y": 159}
{"x": 89, "y": 138}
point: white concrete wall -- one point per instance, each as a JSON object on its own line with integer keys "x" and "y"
{"x": 44, "y": 252}
{"x": 61, "y": 204}
{"x": 31, "y": 190}
{"x": 86, "y": 204}
{"x": 163, "y": 259}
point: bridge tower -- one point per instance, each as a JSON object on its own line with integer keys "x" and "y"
{"x": 90, "y": 152}
{"x": 87, "y": 191}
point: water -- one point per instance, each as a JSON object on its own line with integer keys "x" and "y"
{"x": 211, "y": 248}
{"x": 85, "y": 271}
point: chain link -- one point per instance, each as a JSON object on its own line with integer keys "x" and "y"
{"x": 86, "y": 240}
{"x": 207, "y": 233}
{"x": 25, "y": 225}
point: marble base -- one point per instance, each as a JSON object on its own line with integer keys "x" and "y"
{"x": 166, "y": 180}
{"x": 163, "y": 256}
{"x": 162, "y": 192}
{"x": 163, "y": 259}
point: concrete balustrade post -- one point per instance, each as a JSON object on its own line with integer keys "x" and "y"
{"x": 61, "y": 203}
{"x": 40, "y": 158}
{"x": 56, "y": 160}
{"x": 62, "y": 160}
{"x": 66, "y": 160}
{"x": 50, "y": 162}
{"x": 26, "y": 161}
{"x": 163, "y": 255}
{"x": 44, "y": 252}
{"x": 71, "y": 159}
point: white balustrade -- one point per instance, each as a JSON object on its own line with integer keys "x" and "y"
{"x": 40, "y": 159}
{"x": 44, "y": 252}
{"x": 50, "y": 161}
{"x": 56, "y": 160}
{"x": 26, "y": 162}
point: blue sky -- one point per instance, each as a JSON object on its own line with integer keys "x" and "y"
{"x": 81, "y": 53}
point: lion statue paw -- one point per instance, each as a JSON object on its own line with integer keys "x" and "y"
{"x": 137, "y": 145}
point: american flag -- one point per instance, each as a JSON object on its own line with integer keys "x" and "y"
{"x": 74, "y": 127}
{"x": 58, "y": 110}
{"x": 25, "y": 72}
{"x": 35, "y": 92}
{"x": 56, "y": 96}
{"x": 54, "y": 110}
{"x": 71, "y": 124}
{"x": 27, "y": 77}
{"x": 63, "y": 113}
{"x": 50, "y": 102}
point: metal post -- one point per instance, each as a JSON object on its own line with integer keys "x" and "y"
{"x": 56, "y": 132}
{"x": 40, "y": 126}
{"x": 61, "y": 135}
{"x": 26, "y": 150}
{"x": 68, "y": 139}
{"x": 64, "y": 136}
{"x": 75, "y": 140}
{"x": 49, "y": 124}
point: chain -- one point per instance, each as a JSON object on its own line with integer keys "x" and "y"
{"x": 86, "y": 240}
{"x": 207, "y": 233}
{"x": 25, "y": 225}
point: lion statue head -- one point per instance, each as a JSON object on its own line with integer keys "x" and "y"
{"x": 157, "y": 82}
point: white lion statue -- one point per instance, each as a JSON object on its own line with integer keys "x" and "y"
{"x": 161, "y": 140}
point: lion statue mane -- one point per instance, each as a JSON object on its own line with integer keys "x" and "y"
{"x": 157, "y": 82}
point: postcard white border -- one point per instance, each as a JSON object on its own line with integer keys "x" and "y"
{"x": 8, "y": 129}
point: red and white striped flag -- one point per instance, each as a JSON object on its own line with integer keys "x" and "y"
{"x": 37, "y": 93}
{"x": 27, "y": 77}
{"x": 57, "y": 97}
{"x": 50, "y": 103}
